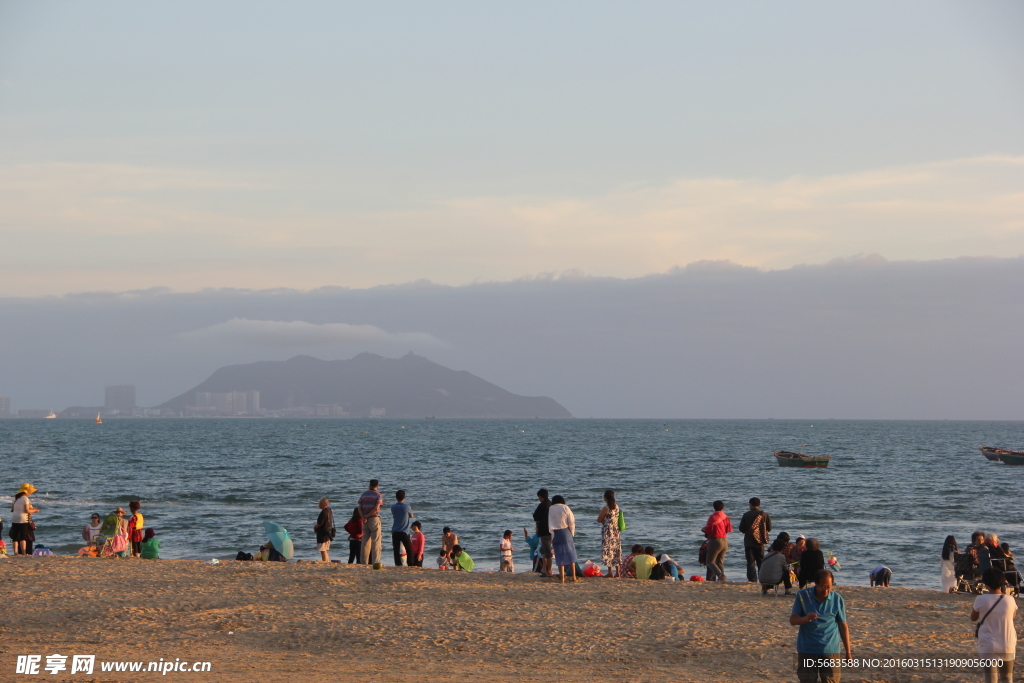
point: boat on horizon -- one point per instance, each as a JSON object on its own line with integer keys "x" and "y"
{"x": 1006, "y": 456}
{"x": 98, "y": 420}
{"x": 792, "y": 459}
{"x": 51, "y": 416}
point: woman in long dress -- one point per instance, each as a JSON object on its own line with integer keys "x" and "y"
{"x": 949, "y": 551}
{"x": 562, "y": 523}
{"x": 611, "y": 537}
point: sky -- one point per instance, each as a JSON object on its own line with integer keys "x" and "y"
{"x": 249, "y": 148}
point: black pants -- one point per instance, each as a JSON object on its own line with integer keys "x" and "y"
{"x": 398, "y": 541}
{"x": 754, "y": 555}
{"x": 353, "y": 551}
{"x": 414, "y": 562}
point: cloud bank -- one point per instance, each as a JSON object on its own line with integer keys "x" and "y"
{"x": 853, "y": 338}
{"x": 74, "y": 227}
{"x": 298, "y": 334}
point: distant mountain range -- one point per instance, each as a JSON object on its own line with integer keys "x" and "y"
{"x": 367, "y": 385}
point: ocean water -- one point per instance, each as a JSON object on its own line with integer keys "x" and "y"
{"x": 894, "y": 490}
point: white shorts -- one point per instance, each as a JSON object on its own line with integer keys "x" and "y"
{"x": 324, "y": 547}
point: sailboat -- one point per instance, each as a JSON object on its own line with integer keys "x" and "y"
{"x": 98, "y": 420}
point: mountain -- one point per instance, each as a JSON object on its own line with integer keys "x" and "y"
{"x": 406, "y": 387}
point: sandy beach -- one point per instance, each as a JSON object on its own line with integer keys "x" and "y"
{"x": 279, "y": 622}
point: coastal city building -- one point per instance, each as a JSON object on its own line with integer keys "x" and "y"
{"x": 5, "y": 406}
{"x": 216, "y": 403}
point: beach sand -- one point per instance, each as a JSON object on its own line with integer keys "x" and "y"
{"x": 314, "y": 621}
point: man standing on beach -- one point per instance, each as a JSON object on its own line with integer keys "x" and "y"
{"x": 369, "y": 509}
{"x": 540, "y": 516}
{"x": 820, "y": 613}
{"x": 400, "y": 527}
{"x": 755, "y": 526}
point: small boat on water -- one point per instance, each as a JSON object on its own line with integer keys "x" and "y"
{"x": 990, "y": 453}
{"x": 1003, "y": 455}
{"x": 98, "y": 420}
{"x": 791, "y": 459}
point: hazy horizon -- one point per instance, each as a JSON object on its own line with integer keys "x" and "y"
{"x": 662, "y": 210}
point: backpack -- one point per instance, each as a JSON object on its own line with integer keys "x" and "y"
{"x": 702, "y": 554}
{"x": 759, "y": 530}
{"x": 657, "y": 573}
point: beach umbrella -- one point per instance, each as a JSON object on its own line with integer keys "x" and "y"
{"x": 280, "y": 539}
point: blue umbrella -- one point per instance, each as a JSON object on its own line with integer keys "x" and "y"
{"x": 280, "y": 539}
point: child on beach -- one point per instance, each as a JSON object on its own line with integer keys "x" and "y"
{"x": 534, "y": 543}
{"x": 461, "y": 559}
{"x": 417, "y": 543}
{"x": 442, "y": 561}
{"x": 505, "y": 547}
{"x": 354, "y": 527}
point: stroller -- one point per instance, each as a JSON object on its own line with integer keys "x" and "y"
{"x": 968, "y": 578}
{"x": 1013, "y": 578}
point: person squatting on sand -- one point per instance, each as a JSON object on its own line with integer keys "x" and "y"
{"x": 716, "y": 529}
{"x": 562, "y": 523}
{"x": 461, "y": 559}
{"x": 993, "y": 614}
{"x": 755, "y": 525}
{"x": 611, "y": 534}
{"x": 324, "y": 529}
{"x": 401, "y": 527}
{"x": 369, "y": 511}
{"x": 540, "y": 518}
{"x": 820, "y": 612}
{"x": 774, "y": 569}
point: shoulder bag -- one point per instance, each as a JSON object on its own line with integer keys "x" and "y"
{"x": 977, "y": 627}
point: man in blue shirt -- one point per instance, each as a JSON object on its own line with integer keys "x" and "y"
{"x": 400, "y": 528}
{"x": 820, "y": 613}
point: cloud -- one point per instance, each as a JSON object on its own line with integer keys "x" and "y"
{"x": 76, "y": 227}
{"x": 301, "y": 334}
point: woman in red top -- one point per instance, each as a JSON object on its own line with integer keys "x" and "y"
{"x": 354, "y": 527}
{"x": 715, "y": 531}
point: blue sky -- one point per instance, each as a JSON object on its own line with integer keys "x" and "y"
{"x": 258, "y": 145}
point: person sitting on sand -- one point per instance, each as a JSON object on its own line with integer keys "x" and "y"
{"x": 880, "y": 576}
{"x": 774, "y": 569}
{"x": 812, "y": 561}
{"x": 461, "y": 559}
{"x": 795, "y": 550}
{"x": 628, "y": 570}
{"x": 444, "y": 562}
{"x": 672, "y": 568}
{"x": 643, "y": 562}
{"x": 92, "y": 529}
{"x": 417, "y": 543}
{"x": 150, "y": 546}
{"x": 449, "y": 539}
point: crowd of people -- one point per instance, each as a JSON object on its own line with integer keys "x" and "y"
{"x": 113, "y": 535}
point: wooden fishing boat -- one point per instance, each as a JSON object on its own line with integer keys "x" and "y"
{"x": 990, "y": 453}
{"x": 1011, "y": 457}
{"x": 791, "y": 459}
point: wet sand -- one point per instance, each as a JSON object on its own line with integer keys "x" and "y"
{"x": 312, "y": 621}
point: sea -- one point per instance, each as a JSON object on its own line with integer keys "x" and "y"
{"x": 891, "y": 494}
